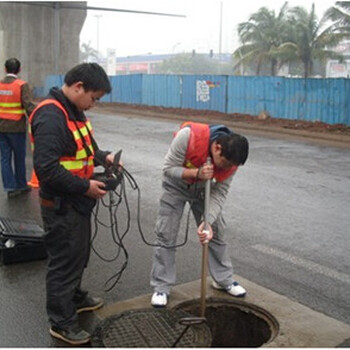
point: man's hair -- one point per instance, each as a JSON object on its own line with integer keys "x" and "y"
{"x": 234, "y": 148}
{"x": 12, "y": 65}
{"x": 92, "y": 75}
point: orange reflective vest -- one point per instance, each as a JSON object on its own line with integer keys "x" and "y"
{"x": 10, "y": 100}
{"x": 198, "y": 150}
{"x": 82, "y": 164}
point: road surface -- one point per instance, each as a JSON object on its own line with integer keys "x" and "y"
{"x": 287, "y": 220}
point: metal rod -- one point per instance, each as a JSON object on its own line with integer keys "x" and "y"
{"x": 188, "y": 322}
{"x": 220, "y": 32}
{"x": 77, "y": 6}
{"x": 205, "y": 247}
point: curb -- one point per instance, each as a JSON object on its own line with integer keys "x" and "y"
{"x": 299, "y": 326}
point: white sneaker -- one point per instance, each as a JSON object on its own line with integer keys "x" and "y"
{"x": 234, "y": 289}
{"x": 159, "y": 299}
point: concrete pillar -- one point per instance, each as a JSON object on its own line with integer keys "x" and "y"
{"x": 29, "y": 33}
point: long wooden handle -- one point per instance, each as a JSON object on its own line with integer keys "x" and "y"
{"x": 204, "y": 279}
{"x": 205, "y": 248}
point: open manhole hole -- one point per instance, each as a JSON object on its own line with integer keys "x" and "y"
{"x": 235, "y": 323}
{"x": 152, "y": 328}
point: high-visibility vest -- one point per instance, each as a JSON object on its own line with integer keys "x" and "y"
{"x": 198, "y": 150}
{"x": 10, "y": 100}
{"x": 82, "y": 164}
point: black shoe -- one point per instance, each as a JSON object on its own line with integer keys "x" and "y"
{"x": 26, "y": 189}
{"x": 73, "y": 336}
{"x": 13, "y": 193}
{"x": 89, "y": 304}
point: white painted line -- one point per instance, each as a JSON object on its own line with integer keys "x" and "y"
{"x": 306, "y": 264}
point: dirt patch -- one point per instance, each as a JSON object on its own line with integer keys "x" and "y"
{"x": 250, "y": 119}
{"x": 337, "y": 134}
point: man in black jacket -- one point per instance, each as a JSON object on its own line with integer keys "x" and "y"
{"x": 64, "y": 156}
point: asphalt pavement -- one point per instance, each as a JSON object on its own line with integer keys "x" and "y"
{"x": 287, "y": 225}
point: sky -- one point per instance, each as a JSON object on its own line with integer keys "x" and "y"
{"x": 139, "y": 34}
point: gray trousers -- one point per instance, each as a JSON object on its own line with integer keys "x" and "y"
{"x": 174, "y": 197}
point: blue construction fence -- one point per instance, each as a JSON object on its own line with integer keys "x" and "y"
{"x": 325, "y": 100}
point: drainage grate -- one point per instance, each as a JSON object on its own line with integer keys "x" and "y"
{"x": 150, "y": 328}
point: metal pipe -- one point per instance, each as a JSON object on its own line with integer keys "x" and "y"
{"x": 188, "y": 322}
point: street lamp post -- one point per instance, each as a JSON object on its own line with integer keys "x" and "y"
{"x": 56, "y": 34}
{"x": 174, "y": 47}
{"x": 220, "y": 31}
{"x": 98, "y": 35}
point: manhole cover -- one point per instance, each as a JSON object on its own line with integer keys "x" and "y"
{"x": 151, "y": 328}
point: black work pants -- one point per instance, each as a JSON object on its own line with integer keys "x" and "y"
{"x": 68, "y": 248}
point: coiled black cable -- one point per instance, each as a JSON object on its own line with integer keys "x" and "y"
{"x": 120, "y": 193}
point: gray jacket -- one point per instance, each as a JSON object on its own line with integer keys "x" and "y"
{"x": 173, "y": 169}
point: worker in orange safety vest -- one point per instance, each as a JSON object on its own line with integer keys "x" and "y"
{"x": 64, "y": 155}
{"x": 15, "y": 104}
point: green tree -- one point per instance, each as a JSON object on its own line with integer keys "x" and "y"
{"x": 260, "y": 36}
{"x": 87, "y": 53}
{"x": 187, "y": 63}
{"x": 310, "y": 39}
{"x": 340, "y": 14}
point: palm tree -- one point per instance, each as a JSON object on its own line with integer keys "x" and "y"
{"x": 340, "y": 14}
{"x": 87, "y": 53}
{"x": 186, "y": 63}
{"x": 310, "y": 39}
{"x": 260, "y": 36}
